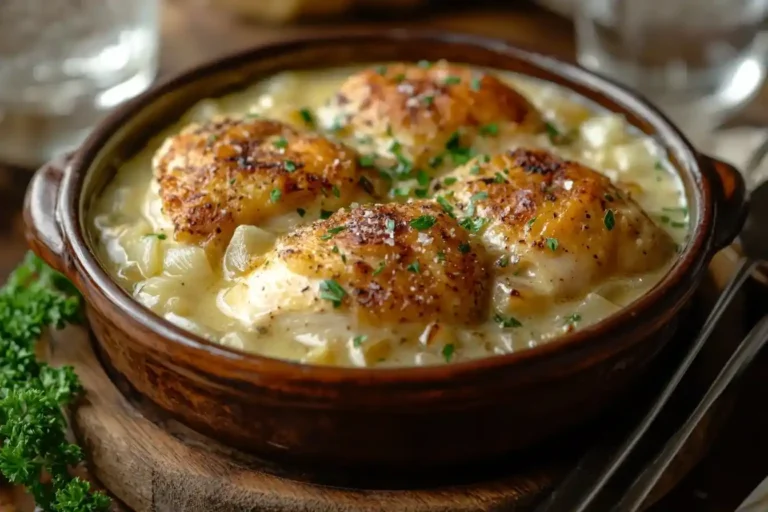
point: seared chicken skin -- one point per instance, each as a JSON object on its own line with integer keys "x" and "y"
{"x": 215, "y": 176}
{"x": 385, "y": 263}
{"x": 556, "y": 228}
{"x": 411, "y": 112}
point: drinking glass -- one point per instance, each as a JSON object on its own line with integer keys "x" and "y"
{"x": 64, "y": 64}
{"x": 697, "y": 60}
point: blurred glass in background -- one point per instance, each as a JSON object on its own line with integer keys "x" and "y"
{"x": 697, "y": 60}
{"x": 64, "y": 64}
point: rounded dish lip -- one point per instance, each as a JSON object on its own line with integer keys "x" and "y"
{"x": 694, "y": 254}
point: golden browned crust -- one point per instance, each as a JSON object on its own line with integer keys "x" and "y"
{"x": 421, "y": 106}
{"x": 227, "y": 172}
{"x": 396, "y": 262}
{"x": 539, "y": 208}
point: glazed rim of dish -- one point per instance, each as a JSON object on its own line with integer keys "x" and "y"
{"x": 72, "y": 202}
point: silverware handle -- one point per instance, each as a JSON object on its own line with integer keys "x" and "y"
{"x": 563, "y": 499}
{"x": 733, "y": 369}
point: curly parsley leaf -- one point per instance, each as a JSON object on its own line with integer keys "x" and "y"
{"x": 33, "y": 440}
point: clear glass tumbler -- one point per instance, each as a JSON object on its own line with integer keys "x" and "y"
{"x": 64, "y": 64}
{"x": 698, "y": 60}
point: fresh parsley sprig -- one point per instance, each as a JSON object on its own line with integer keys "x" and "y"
{"x": 34, "y": 450}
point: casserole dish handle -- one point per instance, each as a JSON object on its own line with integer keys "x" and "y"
{"x": 42, "y": 229}
{"x": 731, "y": 201}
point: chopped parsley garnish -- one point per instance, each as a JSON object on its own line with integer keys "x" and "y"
{"x": 476, "y": 83}
{"x": 680, "y": 209}
{"x": 289, "y": 165}
{"x": 448, "y": 351}
{"x": 609, "y": 220}
{"x": 212, "y": 138}
{"x": 572, "y": 319}
{"x": 531, "y": 222}
{"x": 335, "y": 249}
{"x": 658, "y": 165}
{"x": 389, "y": 225}
{"x": 399, "y": 77}
{"x": 423, "y": 222}
{"x": 338, "y": 124}
{"x": 464, "y": 248}
{"x": 324, "y": 214}
{"x": 414, "y": 267}
{"x": 473, "y": 224}
{"x": 332, "y": 232}
{"x": 428, "y": 99}
{"x": 452, "y": 80}
{"x": 367, "y": 160}
{"x": 382, "y": 70}
{"x": 436, "y": 161}
{"x": 447, "y": 207}
{"x": 505, "y": 322}
{"x": 280, "y": 143}
{"x": 275, "y": 195}
{"x": 359, "y": 340}
{"x": 479, "y": 196}
{"x": 459, "y": 155}
{"x": 424, "y": 64}
{"x": 422, "y": 178}
{"x": 252, "y": 115}
{"x": 440, "y": 256}
{"x": 503, "y": 261}
{"x": 475, "y": 170}
{"x": 366, "y": 185}
{"x": 301, "y": 211}
{"x": 556, "y": 136}
{"x": 490, "y": 130}
{"x": 404, "y": 166}
{"x": 449, "y": 181}
{"x": 336, "y": 191}
{"x": 380, "y": 268}
{"x": 233, "y": 181}
{"x": 499, "y": 178}
{"x": 159, "y": 236}
{"x": 332, "y": 291}
{"x": 665, "y": 219}
{"x": 552, "y": 243}
{"x": 306, "y": 116}
{"x": 676, "y": 224}
{"x": 421, "y": 193}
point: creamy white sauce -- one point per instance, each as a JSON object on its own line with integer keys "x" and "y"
{"x": 134, "y": 240}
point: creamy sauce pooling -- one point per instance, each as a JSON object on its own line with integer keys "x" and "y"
{"x": 258, "y": 309}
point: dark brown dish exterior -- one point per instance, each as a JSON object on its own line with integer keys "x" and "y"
{"x": 411, "y": 417}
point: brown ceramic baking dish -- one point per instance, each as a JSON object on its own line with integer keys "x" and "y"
{"x": 410, "y": 417}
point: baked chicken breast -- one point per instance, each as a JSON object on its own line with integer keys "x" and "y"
{"x": 411, "y": 112}
{"x": 555, "y": 228}
{"x": 215, "y": 176}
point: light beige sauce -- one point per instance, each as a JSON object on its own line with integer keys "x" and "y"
{"x": 134, "y": 240}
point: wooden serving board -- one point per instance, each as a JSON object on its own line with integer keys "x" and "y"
{"x": 152, "y": 463}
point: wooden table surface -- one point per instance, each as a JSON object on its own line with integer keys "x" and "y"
{"x": 193, "y": 33}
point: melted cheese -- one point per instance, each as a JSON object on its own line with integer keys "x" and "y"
{"x": 274, "y": 311}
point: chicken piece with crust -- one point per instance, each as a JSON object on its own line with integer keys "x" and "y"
{"x": 380, "y": 265}
{"x": 410, "y": 112}
{"x": 556, "y": 228}
{"x": 215, "y": 176}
